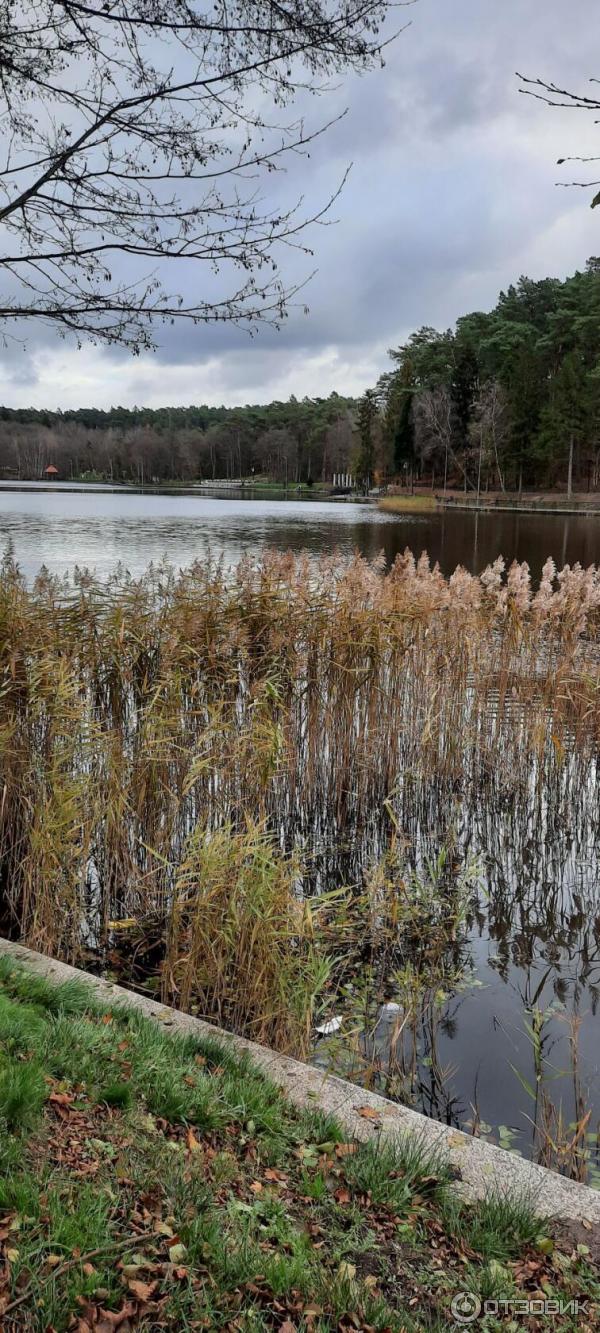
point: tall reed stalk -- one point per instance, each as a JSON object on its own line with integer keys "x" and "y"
{"x": 147, "y": 725}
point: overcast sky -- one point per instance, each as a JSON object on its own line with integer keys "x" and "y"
{"x": 452, "y": 195}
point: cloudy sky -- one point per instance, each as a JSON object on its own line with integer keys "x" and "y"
{"x": 451, "y": 196}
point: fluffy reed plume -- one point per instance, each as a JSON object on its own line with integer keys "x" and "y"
{"x": 147, "y": 725}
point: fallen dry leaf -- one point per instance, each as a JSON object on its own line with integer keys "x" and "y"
{"x": 177, "y": 1253}
{"x": 346, "y": 1271}
{"x": 144, "y": 1291}
{"x": 134, "y": 1270}
{"x": 110, "y": 1319}
{"x": 61, "y": 1098}
{"x": 369, "y": 1113}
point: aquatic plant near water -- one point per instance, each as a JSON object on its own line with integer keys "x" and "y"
{"x": 142, "y": 721}
{"x": 241, "y": 946}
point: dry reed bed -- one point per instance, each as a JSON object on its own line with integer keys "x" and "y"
{"x": 169, "y": 744}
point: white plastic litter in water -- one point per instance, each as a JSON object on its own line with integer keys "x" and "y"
{"x": 390, "y": 1011}
{"x": 332, "y": 1025}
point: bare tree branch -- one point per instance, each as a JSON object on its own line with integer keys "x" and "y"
{"x": 140, "y": 131}
{"x": 554, "y": 96}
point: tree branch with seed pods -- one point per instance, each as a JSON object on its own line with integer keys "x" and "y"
{"x": 555, "y": 96}
{"x": 138, "y": 135}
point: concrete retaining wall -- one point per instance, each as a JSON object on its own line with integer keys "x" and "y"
{"x": 478, "y": 1166}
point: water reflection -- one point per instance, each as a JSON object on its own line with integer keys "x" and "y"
{"x": 532, "y": 938}
{"x": 531, "y": 945}
{"x": 98, "y": 528}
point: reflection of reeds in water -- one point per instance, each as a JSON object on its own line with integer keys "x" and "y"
{"x": 140, "y": 718}
{"x": 400, "y": 938}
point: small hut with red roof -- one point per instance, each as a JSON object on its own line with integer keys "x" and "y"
{"x": 51, "y": 472}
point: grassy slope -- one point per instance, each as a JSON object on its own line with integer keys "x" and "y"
{"x": 156, "y": 1182}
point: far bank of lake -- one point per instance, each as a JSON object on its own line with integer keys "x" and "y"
{"x": 64, "y": 526}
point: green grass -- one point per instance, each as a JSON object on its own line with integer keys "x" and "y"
{"x": 22, "y": 1093}
{"x": 497, "y": 1228}
{"x": 164, "y": 1179}
{"x": 390, "y": 1173}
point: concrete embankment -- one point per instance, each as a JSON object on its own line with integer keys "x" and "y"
{"x": 477, "y": 1166}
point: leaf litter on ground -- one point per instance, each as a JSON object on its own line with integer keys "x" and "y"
{"x": 204, "y": 1201}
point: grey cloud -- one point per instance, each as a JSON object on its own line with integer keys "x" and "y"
{"x": 451, "y": 195}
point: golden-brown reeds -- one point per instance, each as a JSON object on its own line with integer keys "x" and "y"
{"x": 240, "y": 942}
{"x": 146, "y": 725}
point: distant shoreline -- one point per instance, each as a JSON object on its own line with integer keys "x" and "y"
{"x": 550, "y": 503}
{"x": 420, "y": 502}
{"x": 192, "y": 490}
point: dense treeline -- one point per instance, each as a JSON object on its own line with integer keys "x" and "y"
{"x": 505, "y": 400}
{"x": 297, "y": 441}
{"x": 508, "y": 399}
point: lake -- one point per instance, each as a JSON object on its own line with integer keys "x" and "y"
{"x": 533, "y": 940}
{"x": 99, "y": 528}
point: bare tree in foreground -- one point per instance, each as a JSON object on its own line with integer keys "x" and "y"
{"x": 136, "y": 133}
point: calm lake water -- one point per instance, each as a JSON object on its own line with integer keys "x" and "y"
{"x": 97, "y": 528}
{"x": 534, "y": 939}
